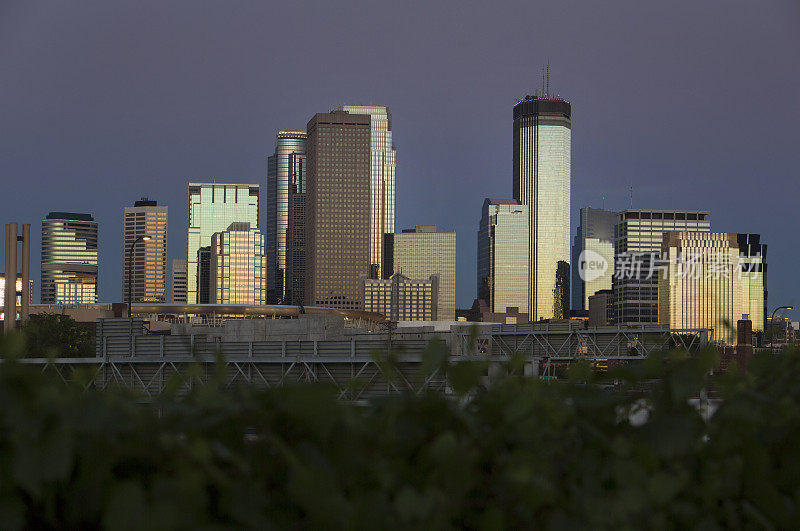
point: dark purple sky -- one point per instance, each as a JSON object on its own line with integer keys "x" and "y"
{"x": 696, "y": 104}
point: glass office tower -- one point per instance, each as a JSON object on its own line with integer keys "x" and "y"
{"x": 238, "y": 266}
{"x": 69, "y": 258}
{"x": 503, "y": 255}
{"x": 382, "y": 198}
{"x": 542, "y": 144}
{"x": 595, "y": 241}
{"x": 149, "y": 258}
{"x": 285, "y": 179}
{"x": 638, "y": 237}
{"x": 212, "y": 208}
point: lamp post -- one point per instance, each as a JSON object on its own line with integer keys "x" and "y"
{"x": 130, "y": 267}
{"x": 772, "y": 322}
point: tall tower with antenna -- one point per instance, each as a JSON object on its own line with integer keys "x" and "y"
{"x": 542, "y": 179}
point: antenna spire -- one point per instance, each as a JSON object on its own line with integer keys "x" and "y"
{"x": 548, "y": 78}
{"x": 631, "y": 192}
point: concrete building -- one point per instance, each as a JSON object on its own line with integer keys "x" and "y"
{"x": 238, "y": 266}
{"x": 703, "y": 284}
{"x": 286, "y": 175}
{"x": 542, "y": 169}
{"x": 179, "y": 281}
{"x": 601, "y": 308}
{"x": 592, "y": 255}
{"x": 212, "y": 208}
{"x": 400, "y": 298}
{"x": 69, "y": 258}
{"x": 382, "y": 197}
{"x": 148, "y": 263}
{"x": 638, "y": 236}
{"x": 337, "y": 209}
{"x": 503, "y": 254}
{"x": 421, "y": 252}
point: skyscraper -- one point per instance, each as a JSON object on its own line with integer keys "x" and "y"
{"x": 337, "y": 209}
{"x": 702, "y": 284}
{"x": 421, "y": 252}
{"x": 593, "y": 248}
{"x": 212, "y": 208}
{"x": 285, "y": 182}
{"x": 503, "y": 239}
{"x": 238, "y": 266}
{"x": 382, "y": 200}
{"x": 149, "y": 259}
{"x": 637, "y": 249}
{"x": 69, "y": 258}
{"x": 179, "y": 282}
{"x": 542, "y": 144}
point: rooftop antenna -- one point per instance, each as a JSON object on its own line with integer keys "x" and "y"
{"x": 631, "y": 192}
{"x": 542, "y": 93}
{"x": 604, "y": 202}
{"x": 548, "y": 79}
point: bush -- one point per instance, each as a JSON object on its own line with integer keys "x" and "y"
{"x": 511, "y": 452}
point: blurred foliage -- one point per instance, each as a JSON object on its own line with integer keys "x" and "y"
{"x": 52, "y": 335}
{"x": 505, "y": 451}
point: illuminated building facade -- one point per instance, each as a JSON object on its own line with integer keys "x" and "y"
{"x": 286, "y": 170}
{"x": 18, "y": 289}
{"x": 69, "y": 259}
{"x": 503, "y": 254}
{"x": 704, "y": 284}
{"x": 382, "y": 199}
{"x": 542, "y": 166}
{"x": 148, "y": 262}
{"x": 212, "y": 208}
{"x": 638, "y": 236}
{"x": 400, "y": 298}
{"x": 421, "y": 252}
{"x": 337, "y": 209}
{"x": 238, "y": 266}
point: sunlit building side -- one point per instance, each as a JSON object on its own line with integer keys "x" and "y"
{"x": 149, "y": 258}
{"x": 238, "y": 266}
{"x": 542, "y": 169}
{"x": 212, "y": 208}
{"x": 69, "y": 259}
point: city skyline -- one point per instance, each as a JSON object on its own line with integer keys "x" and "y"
{"x": 459, "y": 153}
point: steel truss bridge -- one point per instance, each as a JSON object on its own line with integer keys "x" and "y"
{"x": 128, "y": 358}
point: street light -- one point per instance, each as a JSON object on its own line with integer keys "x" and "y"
{"x": 130, "y": 267}
{"x": 772, "y": 322}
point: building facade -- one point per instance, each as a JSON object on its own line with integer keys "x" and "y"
{"x": 400, "y": 298}
{"x": 382, "y": 197}
{"x": 69, "y": 259}
{"x": 286, "y": 170}
{"x": 212, "y": 208}
{"x": 148, "y": 263}
{"x": 704, "y": 284}
{"x": 18, "y": 289}
{"x": 421, "y": 252}
{"x": 753, "y": 261}
{"x": 179, "y": 280}
{"x": 542, "y": 174}
{"x": 503, "y": 254}
{"x": 638, "y": 236}
{"x": 238, "y": 266}
{"x": 337, "y": 209}
{"x": 592, "y": 255}
{"x": 601, "y": 308}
